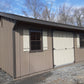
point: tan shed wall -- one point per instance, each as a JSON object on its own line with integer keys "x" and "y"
{"x": 0, "y": 44}
{"x": 79, "y": 52}
{"x": 28, "y": 63}
{"x": 6, "y": 46}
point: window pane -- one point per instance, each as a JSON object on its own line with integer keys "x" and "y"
{"x": 38, "y": 36}
{"x": 32, "y": 35}
{"x": 35, "y": 37}
{"x": 35, "y": 45}
{"x": 82, "y": 40}
{"x": 82, "y": 44}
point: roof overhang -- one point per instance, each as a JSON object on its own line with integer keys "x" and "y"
{"x": 41, "y": 22}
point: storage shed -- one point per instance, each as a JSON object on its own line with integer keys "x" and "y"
{"x": 30, "y": 46}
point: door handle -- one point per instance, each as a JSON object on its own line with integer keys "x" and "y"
{"x": 54, "y": 49}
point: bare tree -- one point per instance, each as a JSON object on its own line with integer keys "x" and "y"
{"x": 71, "y": 15}
{"x": 64, "y": 15}
{"x": 25, "y": 13}
{"x": 33, "y": 6}
{"x": 48, "y": 14}
{"x": 82, "y": 9}
{"x": 79, "y": 16}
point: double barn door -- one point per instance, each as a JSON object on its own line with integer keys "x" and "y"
{"x": 63, "y": 47}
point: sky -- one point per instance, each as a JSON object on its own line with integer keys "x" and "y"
{"x": 18, "y": 5}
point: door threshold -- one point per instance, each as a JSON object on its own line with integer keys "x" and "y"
{"x": 65, "y": 65}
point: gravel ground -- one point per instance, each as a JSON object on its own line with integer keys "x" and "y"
{"x": 72, "y": 74}
{"x": 4, "y": 77}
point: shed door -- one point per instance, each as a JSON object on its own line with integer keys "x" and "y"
{"x": 63, "y": 48}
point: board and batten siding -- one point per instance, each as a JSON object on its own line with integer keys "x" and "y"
{"x": 6, "y": 44}
{"x": 79, "y": 52}
{"x": 30, "y": 62}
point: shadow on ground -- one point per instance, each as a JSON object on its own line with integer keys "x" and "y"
{"x": 33, "y": 80}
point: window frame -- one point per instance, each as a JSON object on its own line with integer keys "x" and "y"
{"x": 80, "y": 39}
{"x": 1, "y": 22}
{"x": 40, "y": 40}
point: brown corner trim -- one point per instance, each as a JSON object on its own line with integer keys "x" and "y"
{"x": 52, "y": 49}
{"x": 14, "y": 55}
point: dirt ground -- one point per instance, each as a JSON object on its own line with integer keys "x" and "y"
{"x": 72, "y": 74}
